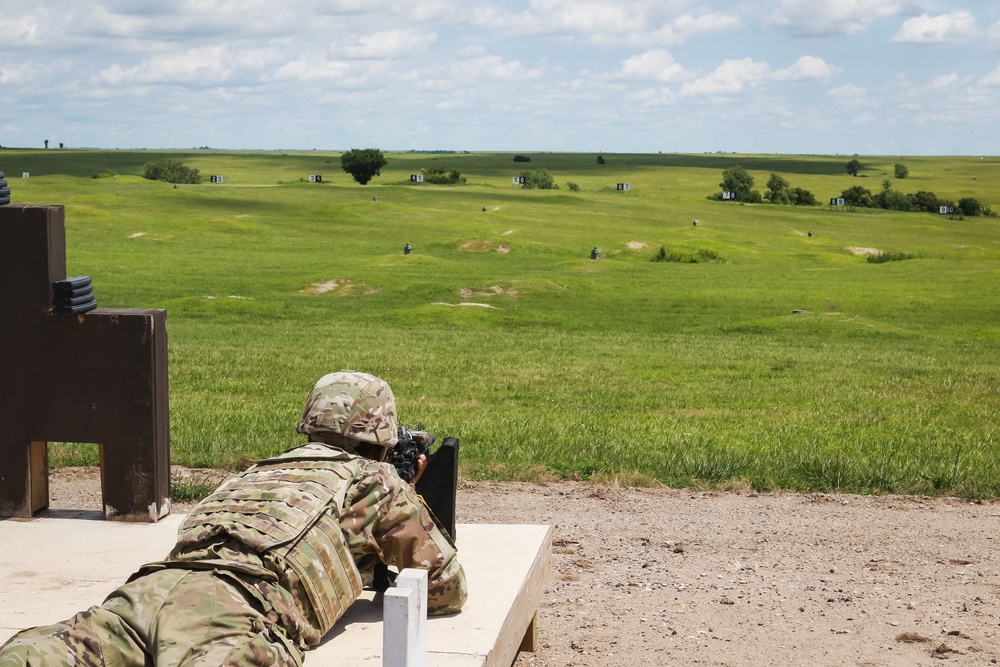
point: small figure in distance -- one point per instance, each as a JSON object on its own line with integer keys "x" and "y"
{"x": 265, "y": 565}
{"x": 810, "y": 233}
{"x": 484, "y": 209}
{"x": 594, "y": 254}
{"x": 694, "y": 223}
{"x": 407, "y": 248}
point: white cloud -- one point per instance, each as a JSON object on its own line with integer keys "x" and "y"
{"x": 993, "y": 78}
{"x": 808, "y": 68}
{"x": 821, "y": 18}
{"x": 653, "y": 65}
{"x": 390, "y": 44}
{"x": 729, "y": 78}
{"x": 852, "y": 96}
{"x": 953, "y": 28}
{"x": 203, "y": 65}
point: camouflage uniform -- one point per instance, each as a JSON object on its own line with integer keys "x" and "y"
{"x": 265, "y": 565}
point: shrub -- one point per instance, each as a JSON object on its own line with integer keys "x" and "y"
{"x": 901, "y": 171}
{"x": 697, "y": 257}
{"x": 801, "y": 197}
{"x": 442, "y": 176}
{"x": 969, "y": 206}
{"x": 107, "y": 173}
{"x": 884, "y": 257}
{"x": 522, "y": 158}
{"x": 573, "y": 187}
{"x": 858, "y": 196}
{"x": 538, "y": 179}
{"x": 171, "y": 172}
{"x": 924, "y": 201}
{"x": 600, "y": 159}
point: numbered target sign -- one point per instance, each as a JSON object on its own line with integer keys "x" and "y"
{"x": 833, "y": 201}
{"x": 215, "y": 179}
{"x": 726, "y": 194}
{"x": 416, "y": 178}
{"x": 519, "y": 180}
{"x": 25, "y": 175}
{"x": 623, "y": 187}
{"x": 315, "y": 178}
{"x": 947, "y": 209}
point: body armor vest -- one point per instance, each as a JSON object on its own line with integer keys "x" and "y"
{"x": 286, "y": 509}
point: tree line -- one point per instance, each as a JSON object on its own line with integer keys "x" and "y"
{"x": 739, "y": 183}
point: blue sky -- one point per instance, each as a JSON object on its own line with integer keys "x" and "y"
{"x": 888, "y": 77}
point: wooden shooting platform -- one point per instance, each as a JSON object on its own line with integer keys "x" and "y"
{"x": 97, "y": 377}
{"x": 54, "y": 567}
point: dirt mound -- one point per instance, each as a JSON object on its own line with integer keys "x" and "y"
{"x": 328, "y": 286}
{"x": 864, "y": 251}
{"x": 477, "y": 245}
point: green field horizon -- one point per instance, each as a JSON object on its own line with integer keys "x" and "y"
{"x": 774, "y": 357}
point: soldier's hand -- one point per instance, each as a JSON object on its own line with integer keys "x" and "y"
{"x": 421, "y": 465}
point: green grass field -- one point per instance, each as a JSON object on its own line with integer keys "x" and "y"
{"x": 790, "y": 363}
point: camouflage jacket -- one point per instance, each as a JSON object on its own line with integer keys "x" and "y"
{"x": 309, "y": 526}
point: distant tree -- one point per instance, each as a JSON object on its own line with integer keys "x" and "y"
{"x": 969, "y": 206}
{"x": 924, "y": 201}
{"x": 858, "y": 196}
{"x": 778, "y": 190}
{"x": 60, "y": 144}
{"x": 538, "y": 179}
{"x": 737, "y": 179}
{"x": 170, "y": 171}
{"x": 802, "y": 197}
{"x": 46, "y": 143}
{"x": 901, "y": 171}
{"x": 600, "y": 159}
{"x": 853, "y": 167}
{"x": 522, "y": 158}
{"x": 363, "y": 164}
{"x": 893, "y": 200}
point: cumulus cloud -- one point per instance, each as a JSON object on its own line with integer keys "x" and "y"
{"x": 954, "y": 28}
{"x": 823, "y": 18}
{"x": 808, "y": 68}
{"x": 729, "y": 78}
{"x": 389, "y": 44}
{"x": 852, "y": 96}
{"x": 653, "y": 65}
{"x": 203, "y": 65}
{"x": 993, "y": 78}
{"x": 733, "y": 77}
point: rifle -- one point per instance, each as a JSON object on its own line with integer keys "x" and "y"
{"x": 437, "y": 486}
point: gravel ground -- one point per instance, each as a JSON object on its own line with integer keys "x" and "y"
{"x": 650, "y": 576}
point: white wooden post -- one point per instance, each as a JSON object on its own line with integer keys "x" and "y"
{"x": 416, "y": 581}
{"x": 404, "y": 621}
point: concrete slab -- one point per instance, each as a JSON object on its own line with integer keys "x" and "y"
{"x": 53, "y": 566}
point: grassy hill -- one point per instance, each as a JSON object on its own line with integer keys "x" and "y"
{"x": 788, "y": 361}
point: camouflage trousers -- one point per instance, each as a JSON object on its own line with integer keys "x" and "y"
{"x": 167, "y": 617}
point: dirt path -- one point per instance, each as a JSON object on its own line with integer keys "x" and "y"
{"x": 657, "y": 576}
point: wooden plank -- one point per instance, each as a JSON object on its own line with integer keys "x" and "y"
{"x": 530, "y": 640}
{"x": 522, "y": 612}
{"x": 38, "y": 475}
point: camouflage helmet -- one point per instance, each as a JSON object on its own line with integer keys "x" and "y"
{"x": 352, "y": 405}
